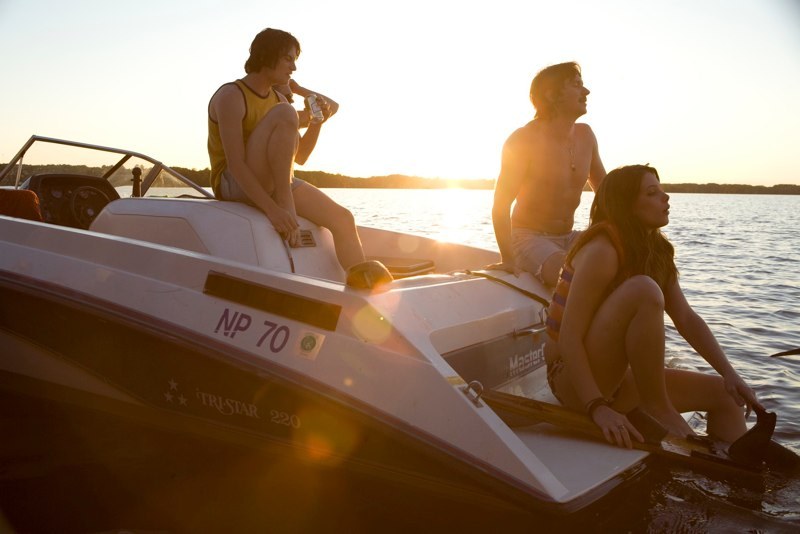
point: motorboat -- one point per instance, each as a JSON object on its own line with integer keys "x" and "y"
{"x": 185, "y": 312}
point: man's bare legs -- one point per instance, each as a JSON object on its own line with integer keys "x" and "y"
{"x": 270, "y": 153}
{"x": 551, "y": 268}
{"x": 319, "y": 208}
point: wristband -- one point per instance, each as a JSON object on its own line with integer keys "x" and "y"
{"x": 594, "y": 404}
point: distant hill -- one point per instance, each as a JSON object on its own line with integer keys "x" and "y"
{"x": 399, "y": 181}
{"x": 396, "y": 181}
{"x": 392, "y": 181}
{"x": 735, "y": 189}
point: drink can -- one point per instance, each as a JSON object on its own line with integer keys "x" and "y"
{"x": 316, "y": 111}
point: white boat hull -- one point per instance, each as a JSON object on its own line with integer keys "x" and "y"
{"x": 193, "y": 314}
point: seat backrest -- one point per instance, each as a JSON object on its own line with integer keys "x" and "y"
{"x": 21, "y": 203}
{"x": 230, "y": 230}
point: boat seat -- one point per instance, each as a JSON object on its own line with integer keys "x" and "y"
{"x": 20, "y": 203}
{"x": 230, "y": 230}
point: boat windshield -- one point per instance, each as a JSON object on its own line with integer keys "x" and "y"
{"x": 129, "y": 172}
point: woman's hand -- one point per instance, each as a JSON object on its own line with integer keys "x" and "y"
{"x": 742, "y": 394}
{"x": 617, "y": 429}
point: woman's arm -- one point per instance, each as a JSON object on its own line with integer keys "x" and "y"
{"x": 696, "y": 332}
{"x": 595, "y": 267}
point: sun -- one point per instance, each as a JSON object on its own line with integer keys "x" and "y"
{"x": 463, "y": 211}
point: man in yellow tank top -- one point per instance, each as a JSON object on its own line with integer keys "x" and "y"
{"x": 252, "y": 143}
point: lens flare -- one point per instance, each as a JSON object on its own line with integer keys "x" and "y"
{"x": 326, "y": 437}
{"x": 371, "y": 326}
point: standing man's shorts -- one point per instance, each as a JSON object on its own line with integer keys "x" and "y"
{"x": 230, "y": 190}
{"x": 532, "y": 248}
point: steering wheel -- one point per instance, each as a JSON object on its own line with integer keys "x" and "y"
{"x": 86, "y": 203}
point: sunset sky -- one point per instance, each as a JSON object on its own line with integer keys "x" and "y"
{"x": 705, "y": 90}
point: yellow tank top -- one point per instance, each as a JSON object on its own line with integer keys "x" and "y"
{"x": 256, "y": 106}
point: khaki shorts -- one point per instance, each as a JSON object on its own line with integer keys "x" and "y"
{"x": 532, "y": 249}
{"x": 229, "y": 188}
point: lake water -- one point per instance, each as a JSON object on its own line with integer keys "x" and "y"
{"x": 739, "y": 261}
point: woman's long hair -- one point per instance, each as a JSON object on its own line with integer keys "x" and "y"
{"x": 646, "y": 250}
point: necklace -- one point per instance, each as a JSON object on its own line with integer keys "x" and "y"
{"x": 572, "y": 153}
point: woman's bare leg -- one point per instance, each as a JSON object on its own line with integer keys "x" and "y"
{"x": 693, "y": 391}
{"x": 628, "y": 330}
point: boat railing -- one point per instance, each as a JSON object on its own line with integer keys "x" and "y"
{"x": 146, "y": 182}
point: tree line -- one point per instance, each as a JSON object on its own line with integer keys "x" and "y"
{"x": 322, "y": 179}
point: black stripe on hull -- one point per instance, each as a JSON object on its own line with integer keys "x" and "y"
{"x": 313, "y": 312}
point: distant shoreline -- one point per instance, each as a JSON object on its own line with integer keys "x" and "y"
{"x": 399, "y": 181}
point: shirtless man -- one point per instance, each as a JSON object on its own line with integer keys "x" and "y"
{"x": 253, "y": 143}
{"x": 545, "y": 166}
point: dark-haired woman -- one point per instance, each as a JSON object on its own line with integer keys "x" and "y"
{"x": 607, "y": 322}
